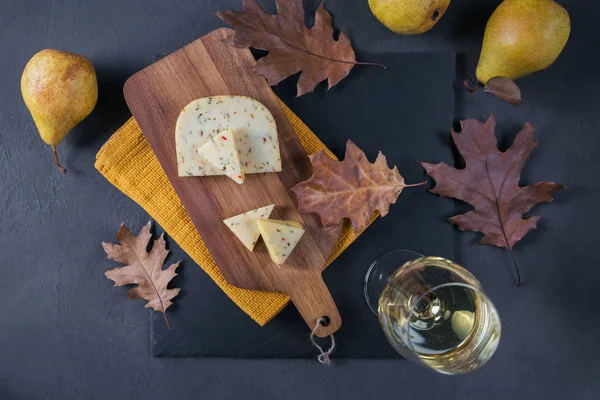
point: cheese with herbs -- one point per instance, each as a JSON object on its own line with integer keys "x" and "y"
{"x": 244, "y": 225}
{"x": 222, "y": 153}
{"x": 280, "y": 237}
{"x": 252, "y": 125}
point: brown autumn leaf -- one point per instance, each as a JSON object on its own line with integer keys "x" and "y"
{"x": 505, "y": 89}
{"x": 353, "y": 188}
{"x": 490, "y": 183}
{"x": 143, "y": 269}
{"x": 291, "y": 45}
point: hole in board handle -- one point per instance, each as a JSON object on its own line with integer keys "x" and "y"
{"x": 324, "y": 321}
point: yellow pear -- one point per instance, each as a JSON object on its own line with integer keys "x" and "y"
{"x": 409, "y": 17}
{"x": 522, "y": 37}
{"x": 59, "y": 89}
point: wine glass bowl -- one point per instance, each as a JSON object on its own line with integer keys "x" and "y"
{"x": 435, "y": 312}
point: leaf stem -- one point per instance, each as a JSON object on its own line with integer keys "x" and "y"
{"x": 512, "y": 255}
{"x": 325, "y": 57}
{"x": 416, "y": 184}
{"x": 370, "y": 63}
{"x": 166, "y": 320}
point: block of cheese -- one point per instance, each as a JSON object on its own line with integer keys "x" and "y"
{"x": 244, "y": 225}
{"x": 222, "y": 153}
{"x": 280, "y": 237}
{"x": 252, "y": 125}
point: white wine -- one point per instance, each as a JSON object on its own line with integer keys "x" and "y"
{"x": 435, "y": 312}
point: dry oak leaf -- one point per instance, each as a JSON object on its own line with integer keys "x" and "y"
{"x": 505, "y": 89}
{"x": 490, "y": 183}
{"x": 499, "y": 86}
{"x": 353, "y": 188}
{"x": 143, "y": 268}
{"x": 291, "y": 45}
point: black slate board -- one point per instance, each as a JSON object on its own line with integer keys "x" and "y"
{"x": 409, "y": 119}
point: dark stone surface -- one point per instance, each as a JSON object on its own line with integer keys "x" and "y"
{"x": 379, "y": 110}
{"x": 65, "y": 333}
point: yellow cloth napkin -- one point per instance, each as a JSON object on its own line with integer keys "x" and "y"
{"x": 128, "y": 162}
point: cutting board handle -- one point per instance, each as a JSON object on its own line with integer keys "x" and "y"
{"x": 313, "y": 301}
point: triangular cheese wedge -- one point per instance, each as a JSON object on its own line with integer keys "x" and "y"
{"x": 222, "y": 153}
{"x": 244, "y": 225}
{"x": 280, "y": 237}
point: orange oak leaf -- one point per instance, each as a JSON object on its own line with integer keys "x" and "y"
{"x": 490, "y": 183}
{"x": 352, "y": 189}
{"x": 291, "y": 45}
{"x": 143, "y": 269}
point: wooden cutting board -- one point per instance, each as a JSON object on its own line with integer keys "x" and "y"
{"x": 210, "y": 66}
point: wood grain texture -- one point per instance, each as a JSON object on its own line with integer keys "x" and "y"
{"x": 209, "y": 67}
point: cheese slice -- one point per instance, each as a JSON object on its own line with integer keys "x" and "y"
{"x": 244, "y": 225}
{"x": 252, "y": 125}
{"x": 280, "y": 237}
{"x": 222, "y": 153}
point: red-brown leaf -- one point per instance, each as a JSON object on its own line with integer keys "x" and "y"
{"x": 291, "y": 45}
{"x": 143, "y": 269}
{"x": 353, "y": 188}
{"x": 490, "y": 183}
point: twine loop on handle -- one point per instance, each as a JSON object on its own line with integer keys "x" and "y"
{"x": 324, "y": 356}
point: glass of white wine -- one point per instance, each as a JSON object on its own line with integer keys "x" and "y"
{"x": 433, "y": 311}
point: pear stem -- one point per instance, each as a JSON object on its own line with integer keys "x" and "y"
{"x": 60, "y": 167}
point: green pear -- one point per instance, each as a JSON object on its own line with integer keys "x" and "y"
{"x": 409, "y": 17}
{"x": 522, "y": 37}
{"x": 59, "y": 89}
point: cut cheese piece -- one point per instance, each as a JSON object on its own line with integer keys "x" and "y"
{"x": 280, "y": 237}
{"x": 244, "y": 225}
{"x": 222, "y": 153}
{"x": 252, "y": 125}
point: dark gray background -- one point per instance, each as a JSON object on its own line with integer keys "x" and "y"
{"x": 66, "y": 333}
